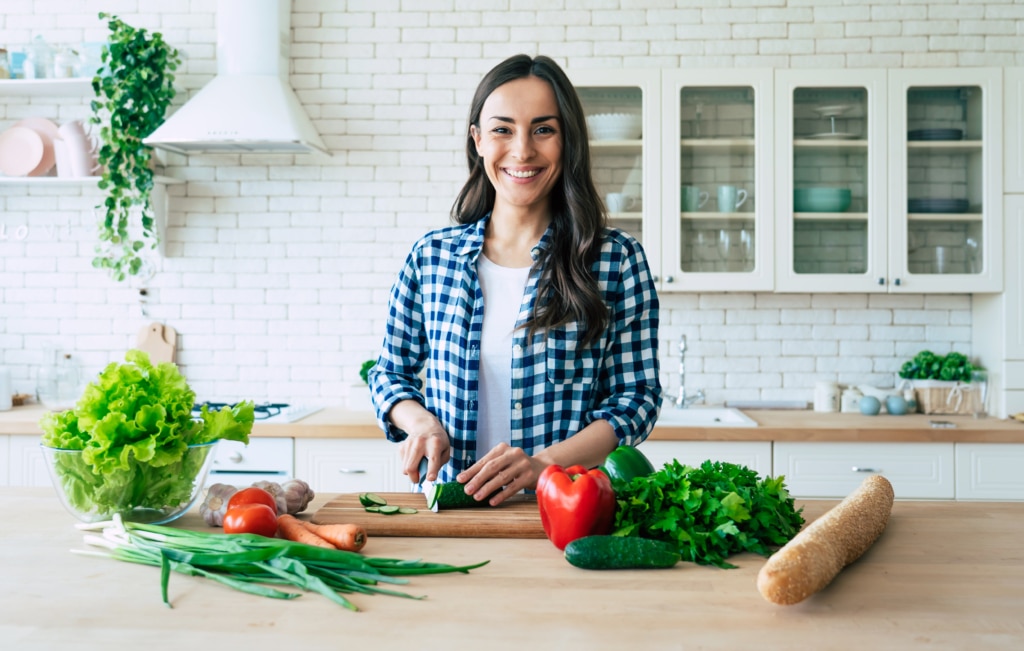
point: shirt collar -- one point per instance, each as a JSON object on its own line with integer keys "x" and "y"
{"x": 472, "y": 240}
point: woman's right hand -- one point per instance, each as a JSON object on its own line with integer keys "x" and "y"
{"x": 426, "y": 437}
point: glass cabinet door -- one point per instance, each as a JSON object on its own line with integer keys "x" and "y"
{"x": 946, "y": 208}
{"x": 718, "y": 186}
{"x": 832, "y": 187}
{"x": 622, "y": 122}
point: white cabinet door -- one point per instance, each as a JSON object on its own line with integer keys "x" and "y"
{"x": 989, "y": 471}
{"x": 27, "y": 465}
{"x": 349, "y": 465}
{"x": 756, "y": 455}
{"x": 834, "y": 470}
{"x": 718, "y": 179}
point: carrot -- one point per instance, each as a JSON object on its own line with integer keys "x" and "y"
{"x": 293, "y": 529}
{"x": 349, "y": 537}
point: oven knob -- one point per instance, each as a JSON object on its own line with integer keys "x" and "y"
{"x": 235, "y": 458}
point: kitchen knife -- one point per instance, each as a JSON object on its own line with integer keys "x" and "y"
{"x": 426, "y": 486}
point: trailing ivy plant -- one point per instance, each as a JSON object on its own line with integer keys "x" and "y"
{"x": 133, "y": 90}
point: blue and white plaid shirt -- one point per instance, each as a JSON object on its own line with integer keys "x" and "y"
{"x": 435, "y": 320}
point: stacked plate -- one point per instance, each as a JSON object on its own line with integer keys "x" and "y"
{"x": 937, "y": 205}
{"x": 26, "y": 149}
{"x": 614, "y": 126}
{"x": 935, "y": 134}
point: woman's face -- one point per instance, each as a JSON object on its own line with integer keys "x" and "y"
{"x": 520, "y": 142}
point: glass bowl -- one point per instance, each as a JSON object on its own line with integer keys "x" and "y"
{"x": 141, "y": 493}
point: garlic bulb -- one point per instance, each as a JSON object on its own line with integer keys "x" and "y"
{"x": 216, "y": 503}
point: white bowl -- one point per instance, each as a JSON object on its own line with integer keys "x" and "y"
{"x": 614, "y": 126}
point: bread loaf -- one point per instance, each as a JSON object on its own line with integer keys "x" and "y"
{"x": 817, "y": 554}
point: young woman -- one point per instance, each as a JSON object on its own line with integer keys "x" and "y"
{"x": 537, "y": 324}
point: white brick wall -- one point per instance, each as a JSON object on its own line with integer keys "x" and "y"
{"x": 278, "y": 269}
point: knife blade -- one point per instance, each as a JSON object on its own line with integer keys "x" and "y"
{"x": 425, "y": 485}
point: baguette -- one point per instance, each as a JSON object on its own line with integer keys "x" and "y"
{"x": 816, "y": 555}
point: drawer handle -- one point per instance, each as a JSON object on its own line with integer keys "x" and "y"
{"x": 236, "y": 457}
{"x": 860, "y": 469}
{"x": 352, "y": 471}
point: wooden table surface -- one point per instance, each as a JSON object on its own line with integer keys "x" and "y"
{"x": 944, "y": 575}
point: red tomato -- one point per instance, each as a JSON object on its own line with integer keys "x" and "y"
{"x": 251, "y": 518}
{"x": 252, "y": 495}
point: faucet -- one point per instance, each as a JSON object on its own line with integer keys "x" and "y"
{"x": 683, "y": 401}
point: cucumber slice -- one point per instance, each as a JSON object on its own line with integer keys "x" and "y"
{"x": 407, "y": 510}
{"x": 620, "y": 553}
{"x": 373, "y": 509}
{"x": 371, "y": 499}
{"x": 388, "y": 509}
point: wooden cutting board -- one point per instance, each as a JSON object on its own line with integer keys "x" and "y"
{"x": 159, "y": 340}
{"x": 515, "y": 518}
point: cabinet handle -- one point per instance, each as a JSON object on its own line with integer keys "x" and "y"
{"x": 236, "y": 457}
{"x": 654, "y": 278}
{"x": 351, "y": 471}
{"x": 881, "y": 281}
{"x": 897, "y": 282}
{"x": 860, "y": 469}
{"x": 670, "y": 279}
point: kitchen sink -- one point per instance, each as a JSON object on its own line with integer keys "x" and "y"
{"x": 671, "y": 416}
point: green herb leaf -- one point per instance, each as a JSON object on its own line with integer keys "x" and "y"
{"x": 710, "y": 512}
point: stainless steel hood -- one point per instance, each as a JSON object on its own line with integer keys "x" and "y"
{"x": 249, "y": 106}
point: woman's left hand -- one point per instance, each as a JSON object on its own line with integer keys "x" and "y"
{"x": 506, "y": 468}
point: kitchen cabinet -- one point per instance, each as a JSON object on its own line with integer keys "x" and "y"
{"x": 756, "y": 455}
{"x": 718, "y": 180}
{"x": 5, "y": 454}
{"x": 627, "y": 165}
{"x": 989, "y": 471}
{"x": 27, "y": 466}
{"x": 349, "y": 465}
{"x": 1013, "y": 130}
{"x": 823, "y": 470}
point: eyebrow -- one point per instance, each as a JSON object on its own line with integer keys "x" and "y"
{"x": 536, "y": 120}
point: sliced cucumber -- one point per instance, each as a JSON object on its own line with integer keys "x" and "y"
{"x": 620, "y": 553}
{"x": 371, "y": 499}
{"x": 450, "y": 495}
{"x": 388, "y": 509}
{"x": 407, "y": 510}
{"x": 372, "y": 509}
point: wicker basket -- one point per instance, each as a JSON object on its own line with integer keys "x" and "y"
{"x": 939, "y": 397}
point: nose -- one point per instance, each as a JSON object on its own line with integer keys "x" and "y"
{"x": 522, "y": 145}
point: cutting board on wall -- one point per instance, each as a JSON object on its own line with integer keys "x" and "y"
{"x": 515, "y": 518}
{"x": 159, "y": 340}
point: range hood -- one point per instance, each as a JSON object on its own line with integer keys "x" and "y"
{"x": 249, "y": 106}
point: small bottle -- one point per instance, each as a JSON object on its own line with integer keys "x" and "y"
{"x": 911, "y": 398}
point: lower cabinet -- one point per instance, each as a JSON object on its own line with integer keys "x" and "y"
{"x": 349, "y": 465}
{"x": 989, "y": 471}
{"x": 756, "y": 455}
{"x": 834, "y": 470}
{"x": 5, "y": 447}
{"x": 27, "y": 466}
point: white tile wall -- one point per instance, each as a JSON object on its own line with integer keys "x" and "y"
{"x": 278, "y": 268}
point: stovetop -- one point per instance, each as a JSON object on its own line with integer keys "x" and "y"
{"x": 268, "y": 412}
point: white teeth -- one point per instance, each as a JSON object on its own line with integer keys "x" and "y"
{"x": 522, "y": 174}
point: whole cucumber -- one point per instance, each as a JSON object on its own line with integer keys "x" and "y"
{"x": 620, "y": 553}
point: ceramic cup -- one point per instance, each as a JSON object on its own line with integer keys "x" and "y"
{"x": 619, "y": 201}
{"x": 81, "y": 148}
{"x": 693, "y": 198}
{"x": 730, "y": 198}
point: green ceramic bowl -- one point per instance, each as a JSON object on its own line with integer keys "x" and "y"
{"x": 821, "y": 199}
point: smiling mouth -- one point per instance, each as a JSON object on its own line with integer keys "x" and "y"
{"x": 521, "y": 174}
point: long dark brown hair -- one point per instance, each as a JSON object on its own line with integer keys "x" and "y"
{"x": 567, "y": 291}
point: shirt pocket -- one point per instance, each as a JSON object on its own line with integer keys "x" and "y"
{"x": 566, "y": 359}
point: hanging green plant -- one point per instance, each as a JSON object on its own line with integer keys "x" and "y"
{"x": 133, "y": 90}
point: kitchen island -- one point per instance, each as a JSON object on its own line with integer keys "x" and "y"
{"x": 944, "y": 575}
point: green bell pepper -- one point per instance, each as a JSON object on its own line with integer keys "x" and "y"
{"x": 626, "y": 462}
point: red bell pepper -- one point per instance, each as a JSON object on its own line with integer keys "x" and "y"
{"x": 574, "y": 502}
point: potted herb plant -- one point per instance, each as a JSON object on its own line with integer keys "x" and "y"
{"x": 938, "y": 381}
{"x": 133, "y": 90}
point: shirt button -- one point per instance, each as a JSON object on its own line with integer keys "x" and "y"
{"x": 517, "y": 349}
{"x": 519, "y": 406}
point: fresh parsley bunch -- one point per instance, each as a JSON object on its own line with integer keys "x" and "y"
{"x": 710, "y": 512}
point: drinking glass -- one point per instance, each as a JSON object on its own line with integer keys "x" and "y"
{"x": 979, "y": 393}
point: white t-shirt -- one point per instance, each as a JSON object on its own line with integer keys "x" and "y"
{"x": 503, "y": 289}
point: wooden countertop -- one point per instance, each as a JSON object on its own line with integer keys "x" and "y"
{"x": 772, "y": 426}
{"x": 944, "y": 575}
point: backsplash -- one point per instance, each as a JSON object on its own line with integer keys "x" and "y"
{"x": 278, "y": 268}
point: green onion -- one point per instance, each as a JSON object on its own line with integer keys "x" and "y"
{"x": 251, "y": 564}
